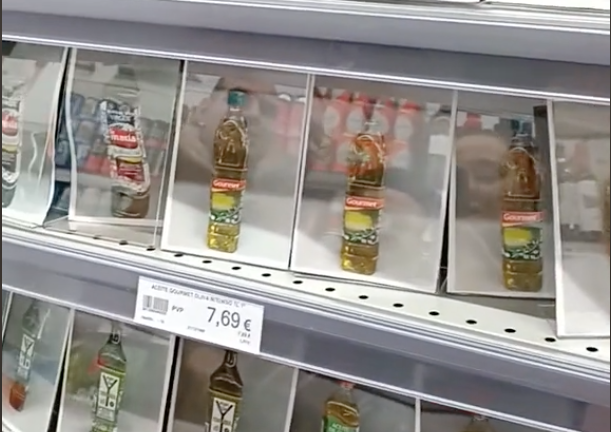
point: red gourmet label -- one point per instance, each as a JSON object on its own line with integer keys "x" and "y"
{"x": 10, "y": 126}
{"x": 228, "y": 185}
{"x": 124, "y": 138}
{"x": 519, "y": 218}
{"x": 364, "y": 203}
{"x": 132, "y": 171}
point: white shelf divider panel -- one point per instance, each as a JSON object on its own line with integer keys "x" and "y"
{"x": 419, "y": 345}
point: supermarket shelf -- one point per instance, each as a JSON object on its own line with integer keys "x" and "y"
{"x": 486, "y": 74}
{"x": 460, "y": 26}
{"x": 436, "y": 348}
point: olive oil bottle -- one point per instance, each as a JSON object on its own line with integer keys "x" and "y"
{"x": 479, "y": 423}
{"x": 364, "y": 202}
{"x": 112, "y": 369}
{"x": 32, "y": 327}
{"x": 341, "y": 412}
{"x": 225, "y": 395}
{"x": 522, "y": 216}
{"x": 229, "y": 178}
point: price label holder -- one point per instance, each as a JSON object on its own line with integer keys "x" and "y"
{"x": 199, "y": 315}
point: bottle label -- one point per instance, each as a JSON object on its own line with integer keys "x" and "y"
{"x": 11, "y": 141}
{"x": 231, "y": 145}
{"x": 522, "y": 235}
{"x": 224, "y": 414}
{"x": 226, "y": 201}
{"x": 333, "y": 424}
{"x": 362, "y": 217}
{"x": 11, "y": 121}
{"x": 129, "y": 167}
{"x": 522, "y": 176}
{"x": 108, "y": 397}
{"x": 26, "y": 355}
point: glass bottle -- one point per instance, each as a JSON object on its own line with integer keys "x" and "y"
{"x": 225, "y": 395}
{"x": 32, "y": 326}
{"x": 522, "y": 216}
{"x": 129, "y": 166}
{"x": 341, "y": 412}
{"x": 364, "y": 199}
{"x": 12, "y": 132}
{"x": 479, "y": 423}
{"x": 112, "y": 369}
{"x": 231, "y": 148}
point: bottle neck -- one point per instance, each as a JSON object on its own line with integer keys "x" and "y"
{"x": 235, "y": 111}
{"x": 346, "y": 387}
{"x": 369, "y": 126}
{"x": 115, "y": 336}
{"x": 231, "y": 359}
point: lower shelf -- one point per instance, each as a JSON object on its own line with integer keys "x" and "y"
{"x": 418, "y": 345}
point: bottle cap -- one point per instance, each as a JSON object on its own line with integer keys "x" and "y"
{"x": 236, "y": 98}
{"x": 346, "y": 385}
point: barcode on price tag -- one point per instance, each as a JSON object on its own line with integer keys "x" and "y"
{"x": 155, "y": 304}
{"x": 220, "y": 320}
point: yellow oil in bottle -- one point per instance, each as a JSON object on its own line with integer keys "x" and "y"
{"x": 478, "y": 423}
{"x": 364, "y": 200}
{"x": 229, "y": 178}
{"x": 341, "y": 412}
{"x": 522, "y": 217}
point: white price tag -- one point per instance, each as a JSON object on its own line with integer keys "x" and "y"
{"x": 199, "y": 315}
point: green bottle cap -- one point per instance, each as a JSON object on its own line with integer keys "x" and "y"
{"x": 236, "y": 98}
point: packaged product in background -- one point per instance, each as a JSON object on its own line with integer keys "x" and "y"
{"x": 118, "y": 114}
{"x": 407, "y": 122}
{"x": 283, "y": 105}
{"x": 12, "y": 139}
{"x": 129, "y": 169}
{"x": 335, "y": 124}
{"x": 354, "y": 120}
{"x": 322, "y": 130}
{"x": 295, "y": 124}
{"x": 568, "y": 195}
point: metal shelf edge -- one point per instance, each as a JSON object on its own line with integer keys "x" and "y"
{"x": 484, "y": 29}
{"x": 300, "y": 337}
{"x": 422, "y": 68}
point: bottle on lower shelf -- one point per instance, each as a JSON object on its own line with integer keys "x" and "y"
{"x": 225, "y": 395}
{"x": 341, "y": 412}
